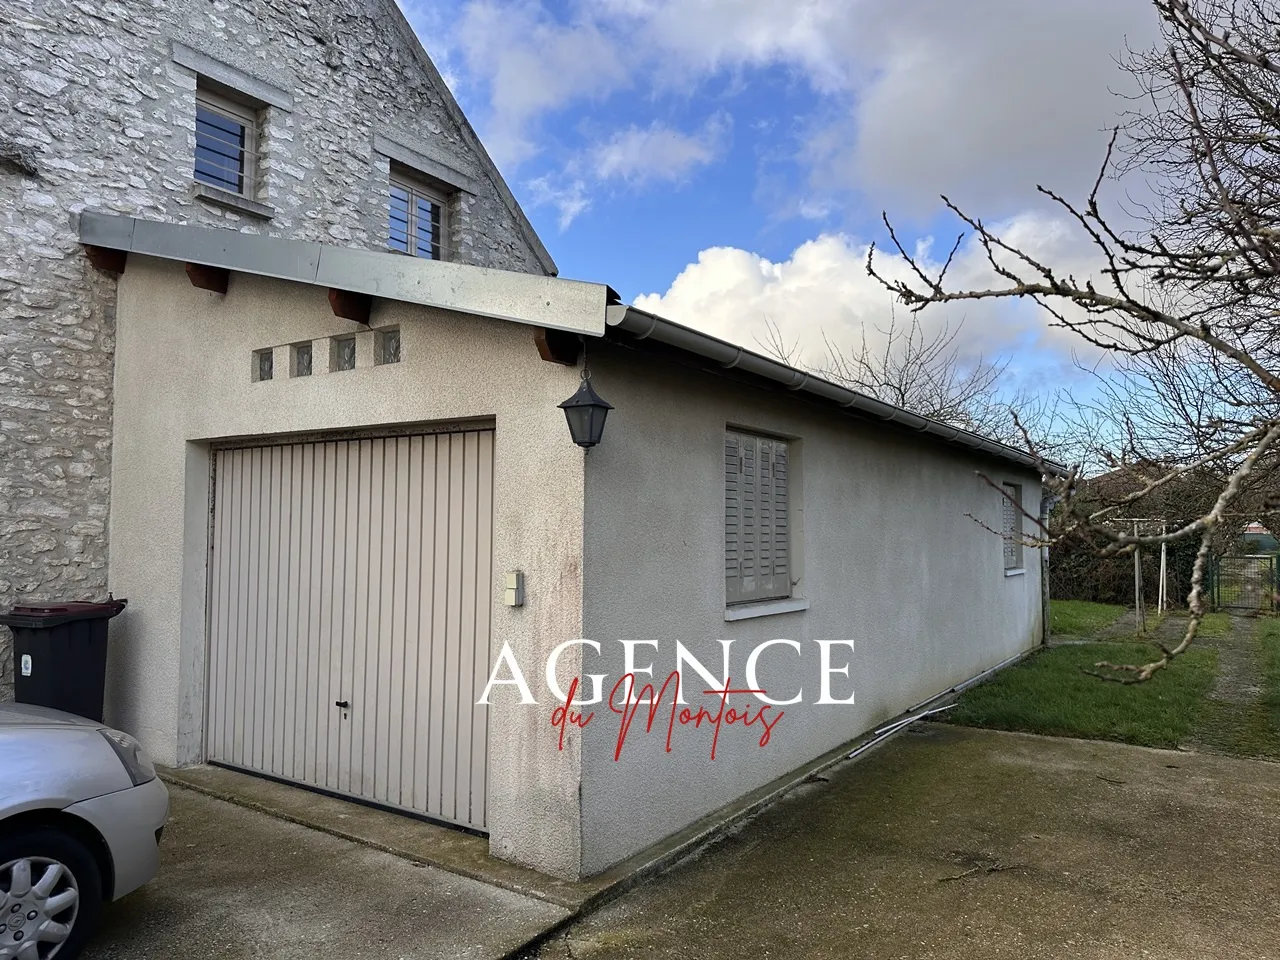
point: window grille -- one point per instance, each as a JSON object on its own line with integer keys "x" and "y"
{"x": 226, "y": 144}
{"x": 417, "y": 220}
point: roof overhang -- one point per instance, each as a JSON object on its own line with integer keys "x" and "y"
{"x": 353, "y": 276}
{"x": 547, "y": 302}
{"x": 641, "y": 325}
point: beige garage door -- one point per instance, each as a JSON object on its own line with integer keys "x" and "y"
{"x": 349, "y": 617}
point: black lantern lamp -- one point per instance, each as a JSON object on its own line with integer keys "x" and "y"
{"x": 586, "y": 411}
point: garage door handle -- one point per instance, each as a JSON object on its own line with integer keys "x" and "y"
{"x": 344, "y": 704}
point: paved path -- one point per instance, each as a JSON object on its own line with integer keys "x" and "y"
{"x": 1126, "y": 627}
{"x": 237, "y": 884}
{"x": 1234, "y": 719}
{"x": 954, "y": 843}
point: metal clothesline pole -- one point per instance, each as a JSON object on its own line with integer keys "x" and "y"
{"x": 1163, "y": 601}
{"x": 1162, "y": 592}
{"x": 1137, "y": 584}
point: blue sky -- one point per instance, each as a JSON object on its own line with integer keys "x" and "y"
{"x": 725, "y": 162}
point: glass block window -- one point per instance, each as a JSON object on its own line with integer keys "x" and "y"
{"x": 388, "y": 343}
{"x": 302, "y": 359}
{"x": 226, "y": 144}
{"x": 342, "y": 353}
{"x": 417, "y": 220}
{"x": 1011, "y": 503}
{"x": 264, "y": 362}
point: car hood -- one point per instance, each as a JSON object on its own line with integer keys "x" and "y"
{"x": 29, "y": 715}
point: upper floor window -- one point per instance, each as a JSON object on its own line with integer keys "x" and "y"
{"x": 226, "y": 143}
{"x": 757, "y": 521}
{"x": 418, "y": 218}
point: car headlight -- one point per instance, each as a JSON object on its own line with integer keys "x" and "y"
{"x": 130, "y": 753}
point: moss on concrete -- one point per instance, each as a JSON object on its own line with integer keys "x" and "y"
{"x": 952, "y": 843}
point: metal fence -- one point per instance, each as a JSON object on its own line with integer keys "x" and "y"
{"x": 1244, "y": 583}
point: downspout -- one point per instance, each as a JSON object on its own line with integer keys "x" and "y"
{"x": 922, "y": 710}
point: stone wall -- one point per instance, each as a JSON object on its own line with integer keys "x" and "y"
{"x": 96, "y": 113}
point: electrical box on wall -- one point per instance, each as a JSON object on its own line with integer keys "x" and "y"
{"x": 515, "y": 588}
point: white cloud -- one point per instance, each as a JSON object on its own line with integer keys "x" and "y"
{"x": 569, "y": 200}
{"x": 533, "y": 65}
{"x": 635, "y": 156}
{"x": 705, "y": 36}
{"x": 640, "y": 155}
{"x": 822, "y": 292}
{"x": 980, "y": 100}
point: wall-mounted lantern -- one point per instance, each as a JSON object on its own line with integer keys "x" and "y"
{"x": 586, "y": 411}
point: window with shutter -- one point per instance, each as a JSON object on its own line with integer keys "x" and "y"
{"x": 757, "y": 529}
{"x": 1012, "y": 515}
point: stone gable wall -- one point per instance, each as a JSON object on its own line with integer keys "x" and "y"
{"x": 96, "y": 114}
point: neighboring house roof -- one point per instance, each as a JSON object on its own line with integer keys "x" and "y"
{"x": 398, "y": 22}
{"x": 589, "y": 309}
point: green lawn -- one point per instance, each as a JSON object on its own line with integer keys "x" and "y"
{"x": 1212, "y": 626}
{"x": 1250, "y": 726}
{"x": 1078, "y": 618}
{"x": 1269, "y": 639}
{"x": 1050, "y": 693}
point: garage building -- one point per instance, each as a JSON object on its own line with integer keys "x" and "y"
{"x": 342, "y": 483}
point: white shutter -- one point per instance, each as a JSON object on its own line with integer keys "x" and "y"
{"x": 756, "y": 521}
{"x": 732, "y": 518}
{"x": 750, "y": 516}
{"x": 781, "y": 521}
{"x": 1012, "y": 516}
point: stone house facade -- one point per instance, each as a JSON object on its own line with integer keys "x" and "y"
{"x": 98, "y": 112}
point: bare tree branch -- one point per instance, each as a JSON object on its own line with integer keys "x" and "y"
{"x": 1188, "y": 306}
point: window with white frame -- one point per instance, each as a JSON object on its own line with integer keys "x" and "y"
{"x": 1011, "y": 503}
{"x": 418, "y": 217}
{"x": 757, "y": 521}
{"x": 226, "y": 143}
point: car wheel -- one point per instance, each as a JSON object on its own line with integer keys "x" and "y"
{"x": 50, "y": 894}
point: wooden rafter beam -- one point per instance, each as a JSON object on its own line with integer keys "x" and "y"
{"x": 350, "y": 306}
{"x": 208, "y": 278}
{"x": 104, "y": 258}
{"x": 557, "y": 346}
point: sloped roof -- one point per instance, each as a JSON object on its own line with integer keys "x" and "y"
{"x": 575, "y": 306}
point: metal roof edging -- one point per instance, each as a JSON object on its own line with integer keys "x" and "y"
{"x": 571, "y": 305}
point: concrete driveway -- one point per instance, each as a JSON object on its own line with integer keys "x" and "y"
{"x": 959, "y": 843}
{"x": 235, "y": 883}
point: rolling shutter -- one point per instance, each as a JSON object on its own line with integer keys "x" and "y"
{"x": 757, "y": 528}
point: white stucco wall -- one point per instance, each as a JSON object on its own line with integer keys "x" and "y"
{"x": 883, "y": 546}
{"x": 182, "y": 379}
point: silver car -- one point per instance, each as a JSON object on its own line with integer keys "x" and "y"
{"x": 81, "y": 813}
